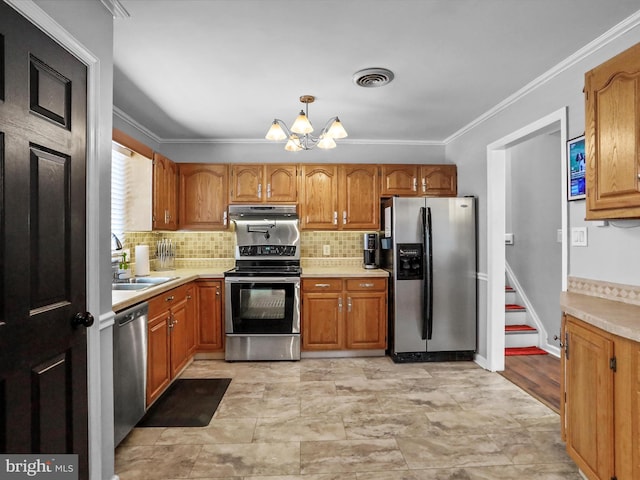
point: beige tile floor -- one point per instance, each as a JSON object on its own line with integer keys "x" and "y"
{"x": 354, "y": 419}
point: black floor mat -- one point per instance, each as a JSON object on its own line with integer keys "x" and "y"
{"x": 186, "y": 403}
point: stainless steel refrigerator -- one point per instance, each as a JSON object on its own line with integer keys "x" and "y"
{"x": 429, "y": 247}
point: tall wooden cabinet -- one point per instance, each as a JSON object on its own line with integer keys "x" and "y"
{"x": 344, "y": 314}
{"x": 203, "y": 196}
{"x": 601, "y": 386}
{"x": 269, "y": 183}
{"x": 612, "y": 137}
{"x": 165, "y": 193}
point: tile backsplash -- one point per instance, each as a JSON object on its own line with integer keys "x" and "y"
{"x": 222, "y": 244}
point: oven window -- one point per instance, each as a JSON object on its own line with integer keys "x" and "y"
{"x": 258, "y": 304}
{"x": 262, "y": 308}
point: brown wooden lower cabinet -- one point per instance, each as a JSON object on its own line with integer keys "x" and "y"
{"x": 344, "y": 314}
{"x": 167, "y": 347}
{"x": 182, "y": 321}
{"x": 601, "y": 386}
{"x": 210, "y": 321}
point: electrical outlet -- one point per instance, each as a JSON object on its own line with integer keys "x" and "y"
{"x": 326, "y": 250}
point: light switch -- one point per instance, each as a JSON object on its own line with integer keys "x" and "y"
{"x": 579, "y": 237}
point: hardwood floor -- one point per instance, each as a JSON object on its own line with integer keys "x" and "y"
{"x": 538, "y": 375}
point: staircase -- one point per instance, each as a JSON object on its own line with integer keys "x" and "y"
{"x": 521, "y": 335}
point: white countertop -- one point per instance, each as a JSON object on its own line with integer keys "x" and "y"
{"x": 121, "y": 299}
{"x": 618, "y": 318}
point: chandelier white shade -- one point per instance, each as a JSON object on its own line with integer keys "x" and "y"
{"x": 299, "y": 135}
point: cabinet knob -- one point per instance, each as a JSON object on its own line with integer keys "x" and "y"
{"x": 217, "y": 291}
{"x": 81, "y": 319}
{"x": 169, "y": 298}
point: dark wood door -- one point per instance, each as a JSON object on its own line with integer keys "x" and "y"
{"x": 43, "y": 359}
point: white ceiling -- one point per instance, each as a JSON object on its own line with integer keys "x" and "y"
{"x": 217, "y": 70}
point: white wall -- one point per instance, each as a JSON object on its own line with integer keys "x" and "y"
{"x": 610, "y": 255}
{"x": 535, "y": 257}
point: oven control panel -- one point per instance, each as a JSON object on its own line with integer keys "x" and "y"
{"x": 267, "y": 250}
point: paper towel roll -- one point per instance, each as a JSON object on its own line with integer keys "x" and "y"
{"x": 142, "y": 260}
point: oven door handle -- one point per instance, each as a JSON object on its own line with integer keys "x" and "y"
{"x": 262, "y": 279}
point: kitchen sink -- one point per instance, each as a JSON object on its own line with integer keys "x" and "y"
{"x": 148, "y": 280}
{"x": 139, "y": 283}
{"x": 129, "y": 286}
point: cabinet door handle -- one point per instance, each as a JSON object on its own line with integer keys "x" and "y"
{"x": 415, "y": 184}
{"x": 188, "y": 297}
{"x": 170, "y": 321}
{"x": 424, "y": 185}
{"x": 322, "y": 285}
{"x": 224, "y": 218}
{"x": 366, "y": 285}
{"x": 217, "y": 291}
{"x": 340, "y": 305}
{"x": 335, "y": 217}
{"x": 349, "y": 304}
{"x": 259, "y": 190}
{"x": 344, "y": 217}
{"x": 169, "y": 299}
{"x": 268, "y": 190}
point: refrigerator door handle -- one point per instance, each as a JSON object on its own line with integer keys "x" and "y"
{"x": 427, "y": 304}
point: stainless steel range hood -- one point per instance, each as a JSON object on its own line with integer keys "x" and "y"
{"x": 266, "y": 232}
{"x": 239, "y": 212}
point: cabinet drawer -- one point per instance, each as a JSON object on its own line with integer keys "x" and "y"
{"x": 366, "y": 284}
{"x": 165, "y": 300}
{"x": 321, "y": 284}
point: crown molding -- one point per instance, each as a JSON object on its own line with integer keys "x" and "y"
{"x": 116, "y": 8}
{"x": 135, "y": 124}
{"x": 417, "y": 143}
{"x": 610, "y": 35}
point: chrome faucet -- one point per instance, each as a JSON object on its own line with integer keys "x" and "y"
{"x": 118, "y": 243}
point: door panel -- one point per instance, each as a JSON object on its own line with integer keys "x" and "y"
{"x": 43, "y": 364}
{"x": 454, "y": 270}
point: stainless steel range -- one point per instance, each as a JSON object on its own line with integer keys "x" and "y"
{"x": 262, "y": 292}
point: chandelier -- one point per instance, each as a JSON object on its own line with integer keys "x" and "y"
{"x": 299, "y": 136}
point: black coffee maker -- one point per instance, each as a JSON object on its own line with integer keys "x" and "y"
{"x": 369, "y": 251}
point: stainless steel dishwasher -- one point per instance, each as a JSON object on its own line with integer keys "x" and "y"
{"x": 129, "y": 368}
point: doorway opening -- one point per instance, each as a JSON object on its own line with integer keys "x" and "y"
{"x": 497, "y": 155}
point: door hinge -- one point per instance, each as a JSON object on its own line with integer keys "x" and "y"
{"x": 613, "y": 364}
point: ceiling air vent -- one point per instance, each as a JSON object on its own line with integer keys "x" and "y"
{"x": 372, "y": 77}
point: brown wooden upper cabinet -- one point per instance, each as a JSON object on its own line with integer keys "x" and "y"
{"x": 419, "y": 180}
{"x": 165, "y": 193}
{"x": 612, "y": 137}
{"x": 203, "y": 196}
{"x": 263, "y": 183}
{"x": 339, "y": 197}
{"x": 319, "y": 197}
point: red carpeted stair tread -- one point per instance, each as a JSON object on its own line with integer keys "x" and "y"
{"x": 511, "y": 307}
{"x": 519, "y": 328}
{"x": 511, "y": 351}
